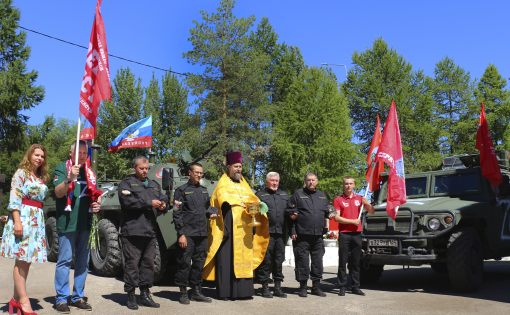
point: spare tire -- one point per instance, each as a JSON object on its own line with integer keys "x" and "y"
{"x": 106, "y": 258}
{"x": 51, "y": 239}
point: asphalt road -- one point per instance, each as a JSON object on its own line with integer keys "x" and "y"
{"x": 415, "y": 290}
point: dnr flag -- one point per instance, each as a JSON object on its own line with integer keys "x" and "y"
{"x": 136, "y": 135}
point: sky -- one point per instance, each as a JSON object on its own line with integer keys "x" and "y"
{"x": 473, "y": 33}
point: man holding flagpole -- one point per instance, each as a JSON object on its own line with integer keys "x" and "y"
{"x": 349, "y": 206}
{"x": 75, "y": 181}
{"x": 76, "y": 193}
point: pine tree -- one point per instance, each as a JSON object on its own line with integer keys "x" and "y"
{"x": 491, "y": 91}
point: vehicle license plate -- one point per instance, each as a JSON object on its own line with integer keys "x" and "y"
{"x": 382, "y": 243}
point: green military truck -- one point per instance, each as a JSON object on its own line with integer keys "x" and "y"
{"x": 106, "y": 259}
{"x": 453, "y": 220}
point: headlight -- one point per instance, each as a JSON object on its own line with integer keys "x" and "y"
{"x": 434, "y": 224}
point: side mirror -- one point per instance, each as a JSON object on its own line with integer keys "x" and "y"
{"x": 167, "y": 180}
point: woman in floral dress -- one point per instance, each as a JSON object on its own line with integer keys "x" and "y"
{"x": 24, "y": 237}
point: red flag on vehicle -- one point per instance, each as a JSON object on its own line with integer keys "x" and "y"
{"x": 390, "y": 151}
{"x": 95, "y": 85}
{"x": 375, "y": 167}
{"x": 488, "y": 160}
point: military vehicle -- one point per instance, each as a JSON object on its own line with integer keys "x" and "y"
{"x": 106, "y": 259}
{"x": 453, "y": 220}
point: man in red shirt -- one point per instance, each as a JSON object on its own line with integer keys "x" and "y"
{"x": 348, "y": 206}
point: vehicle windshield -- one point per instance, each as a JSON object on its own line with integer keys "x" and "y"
{"x": 456, "y": 184}
{"x": 416, "y": 187}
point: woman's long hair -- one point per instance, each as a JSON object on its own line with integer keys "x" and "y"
{"x": 26, "y": 164}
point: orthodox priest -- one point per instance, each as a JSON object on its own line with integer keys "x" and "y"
{"x": 235, "y": 249}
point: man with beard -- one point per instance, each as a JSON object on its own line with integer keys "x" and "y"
{"x": 308, "y": 208}
{"x": 276, "y": 200}
{"x": 234, "y": 250}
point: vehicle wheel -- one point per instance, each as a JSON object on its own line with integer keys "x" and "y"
{"x": 370, "y": 273}
{"x": 160, "y": 261}
{"x": 465, "y": 260}
{"x": 441, "y": 268}
{"x": 107, "y": 257}
{"x": 51, "y": 239}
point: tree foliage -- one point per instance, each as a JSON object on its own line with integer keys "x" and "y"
{"x": 230, "y": 90}
{"x": 491, "y": 91}
{"x": 17, "y": 85}
{"x": 452, "y": 91}
{"x": 380, "y": 75}
{"x": 124, "y": 109}
{"x": 312, "y": 133}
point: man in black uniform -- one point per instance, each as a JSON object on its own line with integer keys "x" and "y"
{"x": 140, "y": 199}
{"x": 192, "y": 210}
{"x": 276, "y": 200}
{"x": 308, "y": 208}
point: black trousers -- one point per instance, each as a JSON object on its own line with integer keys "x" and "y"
{"x": 139, "y": 253}
{"x": 275, "y": 256}
{"x": 306, "y": 247}
{"x": 190, "y": 261}
{"x": 349, "y": 253}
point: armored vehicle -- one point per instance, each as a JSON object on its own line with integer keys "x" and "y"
{"x": 106, "y": 259}
{"x": 453, "y": 220}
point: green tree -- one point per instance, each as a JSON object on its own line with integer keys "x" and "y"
{"x": 17, "y": 85}
{"x": 230, "y": 91}
{"x": 312, "y": 132}
{"x": 452, "y": 91}
{"x": 170, "y": 117}
{"x": 491, "y": 91}
{"x": 124, "y": 109}
{"x": 379, "y": 75}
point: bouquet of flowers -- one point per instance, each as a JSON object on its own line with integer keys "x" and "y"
{"x": 331, "y": 235}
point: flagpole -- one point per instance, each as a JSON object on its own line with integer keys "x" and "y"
{"x": 77, "y": 146}
{"x": 366, "y": 191}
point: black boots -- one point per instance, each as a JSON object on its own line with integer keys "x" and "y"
{"x": 146, "y": 298}
{"x": 303, "y": 289}
{"x": 316, "y": 289}
{"x": 278, "y": 290}
{"x": 183, "y": 299}
{"x": 265, "y": 291}
{"x": 196, "y": 295}
{"x": 132, "y": 304}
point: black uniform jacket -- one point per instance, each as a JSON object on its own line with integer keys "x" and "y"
{"x": 138, "y": 217}
{"x": 191, "y": 218}
{"x": 277, "y": 203}
{"x": 312, "y": 209}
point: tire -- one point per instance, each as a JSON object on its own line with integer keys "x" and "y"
{"x": 51, "y": 239}
{"x": 441, "y": 268}
{"x": 106, "y": 259}
{"x": 160, "y": 261}
{"x": 465, "y": 260}
{"x": 370, "y": 273}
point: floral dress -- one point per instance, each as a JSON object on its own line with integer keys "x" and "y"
{"x": 31, "y": 247}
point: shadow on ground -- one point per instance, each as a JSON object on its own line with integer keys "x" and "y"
{"x": 495, "y": 287}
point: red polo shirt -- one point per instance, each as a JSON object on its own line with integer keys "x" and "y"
{"x": 349, "y": 208}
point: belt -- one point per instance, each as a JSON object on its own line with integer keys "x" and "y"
{"x": 33, "y": 203}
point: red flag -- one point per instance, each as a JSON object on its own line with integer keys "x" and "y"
{"x": 375, "y": 167}
{"x": 95, "y": 85}
{"x": 390, "y": 151}
{"x": 488, "y": 160}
